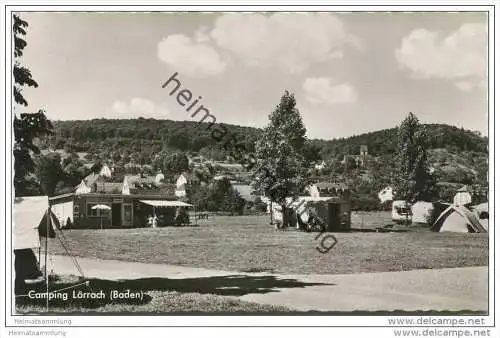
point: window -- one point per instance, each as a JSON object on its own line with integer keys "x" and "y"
{"x": 90, "y": 211}
{"x": 76, "y": 210}
{"x": 96, "y": 212}
{"x": 403, "y": 211}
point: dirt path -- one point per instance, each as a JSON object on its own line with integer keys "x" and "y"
{"x": 442, "y": 289}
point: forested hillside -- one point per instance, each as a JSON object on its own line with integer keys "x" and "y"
{"x": 139, "y": 138}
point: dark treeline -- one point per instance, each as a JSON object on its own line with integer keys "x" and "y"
{"x": 144, "y": 137}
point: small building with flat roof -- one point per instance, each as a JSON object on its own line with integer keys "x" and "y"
{"x": 126, "y": 211}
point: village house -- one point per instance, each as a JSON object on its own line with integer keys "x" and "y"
{"x": 359, "y": 160}
{"x": 183, "y": 181}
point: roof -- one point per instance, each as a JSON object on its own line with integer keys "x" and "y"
{"x": 108, "y": 187}
{"x": 305, "y": 199}
{"x": 166, "y": 189}
{"x": 468, "y": 216}
{"x": 164, "y": 203}
{"x": 133, "y": 180}
{"x": 91, "y": 179}
{"x": 245, "y": 191}
{"x": 329, "y": 185}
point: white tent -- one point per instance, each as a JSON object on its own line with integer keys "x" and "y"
{"x": 482, "y": 213}
{"x": 28, "y": 213}
{"x": 457, "y": 218}
{"x": 33, "y": 218}
{"x": 421, "y": 211}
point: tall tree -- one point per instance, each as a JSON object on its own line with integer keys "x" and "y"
{"x": 27, "y": 127}
{"x": 281, "y": 170}
{"x": 49, "y": 172}
{"x": 413, "y": 180}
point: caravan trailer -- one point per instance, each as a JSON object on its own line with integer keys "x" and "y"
{"x": 401, "y": 212}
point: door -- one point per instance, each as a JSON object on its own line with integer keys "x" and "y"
{"x": 127, "y": 214}
{"x": 334, "y": 217}
{"x": 116, "y": 214}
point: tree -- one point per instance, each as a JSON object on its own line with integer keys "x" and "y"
{"x": 175, "y": 164}
{"x": 49, "y": 172}
{"x": 233, "y": 202}
{"x": 281, "y": 169}
{"x": 27, "y": 127}
{"x": 413, "y": 180}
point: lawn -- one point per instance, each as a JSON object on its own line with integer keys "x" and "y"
{"x": 250, "y": 244}
{"x": 160, "y": 302}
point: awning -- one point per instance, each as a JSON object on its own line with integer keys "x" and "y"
{"x": 166, "y": 203}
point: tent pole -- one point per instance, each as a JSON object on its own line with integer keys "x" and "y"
{"x": 46, "y": 253}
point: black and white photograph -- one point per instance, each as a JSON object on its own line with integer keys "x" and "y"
{"x": 331, "y": 165}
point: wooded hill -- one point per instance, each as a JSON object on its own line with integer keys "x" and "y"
{"x": 102, "y": 136}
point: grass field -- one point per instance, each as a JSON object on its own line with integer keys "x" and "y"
{"x": 250, "y": 244}
{"x": 159, "y": 302}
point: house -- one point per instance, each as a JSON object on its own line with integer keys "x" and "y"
{"x": 183, "y": 181}
{"x": 329, "y": 189}
{"x": 363, "y": 150}
{"x": 86, "y": 184}
{"x": 93, "y": 183}
{"x": 133, "y": 184}
{"x": 358, "y": 160}
{"x": 106, "y": 171}
{"x": 180, "y": 185}
{"x": 320, "y": 166}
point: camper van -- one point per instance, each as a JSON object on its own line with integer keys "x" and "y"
{"x": 401, "y": 212}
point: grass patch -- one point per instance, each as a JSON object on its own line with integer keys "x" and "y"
{"x": 162, "y": 302}
{"x": 249, "y": 243}
{"x": 157, "y": 295}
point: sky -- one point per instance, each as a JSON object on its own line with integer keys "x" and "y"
{"x": 350, "y": 72}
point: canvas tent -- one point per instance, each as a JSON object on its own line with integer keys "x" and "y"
{"x": 421, "y": 211}
{"x": 30, "y": 221}
{"x": 482, "y": 213}
{"x": 457, "y": 218}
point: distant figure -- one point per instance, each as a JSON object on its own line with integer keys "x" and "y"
{"x": 152, "y": 221}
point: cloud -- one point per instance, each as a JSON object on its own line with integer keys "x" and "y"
{"x": 460, "y": 57}
{"x": 289, "y": 41}
{"x": 137, "y": 107}
{"x": 191, "y": 56}
{"x": 322, "y": 90}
